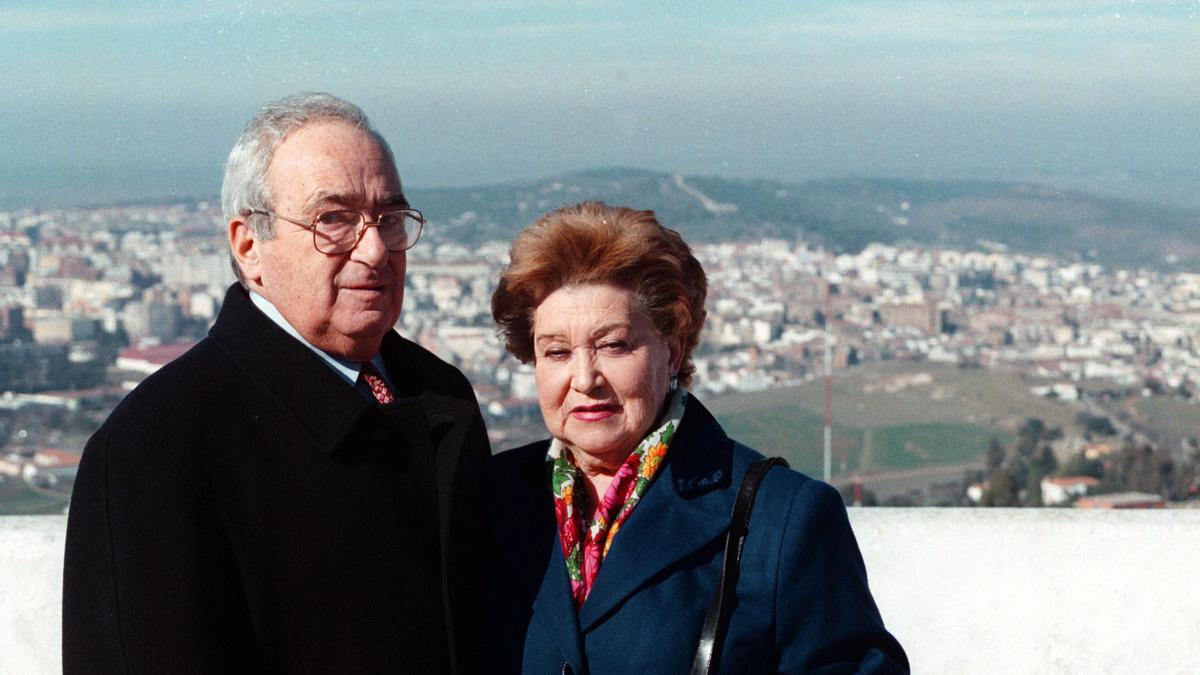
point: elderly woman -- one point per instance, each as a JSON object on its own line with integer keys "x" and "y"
{"x": 609, "y": 536}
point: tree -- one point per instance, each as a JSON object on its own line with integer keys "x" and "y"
{"x": 1079, "y": 465}
{"x": 1018, "y": 471}
{"x": 1028, "y": 436}
{"x": 1001, "y": 490}
{"x": 995, "y": 455}
{"x": 1142, "y": 468}
{"x": 1044, "y": 463}
{"x": 1095, "y": 425}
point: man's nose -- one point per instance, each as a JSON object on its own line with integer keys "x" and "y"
{"x": 370, "y": 249}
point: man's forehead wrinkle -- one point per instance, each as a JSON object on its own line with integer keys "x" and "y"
{"x": 322, "y": 198}
{"x": 335, "y": 168}
{"x": 327, "y": 197}
{"x": 357, "y": 193}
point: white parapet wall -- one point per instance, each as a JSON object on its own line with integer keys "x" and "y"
{"x": 1037, "y": 590}
{"x": 31, "y": 555}
{"x": 965, "y": 590}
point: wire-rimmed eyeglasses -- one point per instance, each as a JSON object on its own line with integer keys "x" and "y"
{"x": 337, "y": 232}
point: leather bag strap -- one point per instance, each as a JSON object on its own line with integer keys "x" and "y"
{"x": 716, "y": 622}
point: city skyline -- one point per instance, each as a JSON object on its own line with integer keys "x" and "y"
{"x": 937, "y": 349}
{"x": 135, "y": 101}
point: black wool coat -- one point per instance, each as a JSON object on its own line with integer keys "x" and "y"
{"x": 246, "y": 510}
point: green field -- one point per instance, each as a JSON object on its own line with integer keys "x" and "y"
{"x": 18, "y": 499}
{"x": 911, "y": 446}
{"x": 948, "y": 419}
{"x": 783, "y": 429}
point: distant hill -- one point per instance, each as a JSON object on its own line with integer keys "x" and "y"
{"x": 844, "y": 214}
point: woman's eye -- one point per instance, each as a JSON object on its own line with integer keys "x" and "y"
{"x": 556, "y": 353}
{"x": 615, "y": 347}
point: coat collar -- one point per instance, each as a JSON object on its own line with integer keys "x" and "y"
{"x": 317, "y": 398}
{"x": 526, "y": 539}
{"x": 684, "y": 510}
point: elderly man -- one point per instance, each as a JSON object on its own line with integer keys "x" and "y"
{"x": 297, "y": 493}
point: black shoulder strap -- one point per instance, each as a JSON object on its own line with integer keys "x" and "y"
{"x": 712, "y": 636}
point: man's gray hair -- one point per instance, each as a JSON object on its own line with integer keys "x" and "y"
{"x": 245, "y": 184}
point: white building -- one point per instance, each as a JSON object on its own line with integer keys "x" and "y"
{"x": 1061, "y": 489}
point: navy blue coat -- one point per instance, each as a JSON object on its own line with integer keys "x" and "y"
{"x": 802, "y": 603}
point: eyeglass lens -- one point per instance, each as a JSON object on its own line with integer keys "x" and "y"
{"x": 338, "y": 231}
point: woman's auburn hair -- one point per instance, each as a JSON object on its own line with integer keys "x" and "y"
{"x": 594, "y": 243}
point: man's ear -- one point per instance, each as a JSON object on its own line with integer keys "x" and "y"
{"x": 246, "y": 249}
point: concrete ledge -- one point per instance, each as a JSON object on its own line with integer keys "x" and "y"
{"x": 1037, "y": 590}
{"x": 31, "y": 555}
{"x": 965, "y": 590}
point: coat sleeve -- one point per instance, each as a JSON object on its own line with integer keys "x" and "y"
{"x": 133, "y": 570}
{"x": 827, "y": 621}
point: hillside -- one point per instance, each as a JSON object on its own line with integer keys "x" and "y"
{"x": 844, "y": 214}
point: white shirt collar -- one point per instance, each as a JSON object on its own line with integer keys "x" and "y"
{"x": 346, "y": 368}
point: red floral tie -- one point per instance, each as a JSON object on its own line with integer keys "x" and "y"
{"x": 379, "y": 387}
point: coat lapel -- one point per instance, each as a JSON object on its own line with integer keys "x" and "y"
{"x": 527, "y": 544}
{"x": 453, "y": 431}
{"x": 320, "y": 402}
{"x": 686, "y": 508}
{"x": 446, "y": 429}
{"x": 554, "y": 609}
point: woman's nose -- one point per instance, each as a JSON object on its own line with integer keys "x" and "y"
{"x": 584, "y": 375}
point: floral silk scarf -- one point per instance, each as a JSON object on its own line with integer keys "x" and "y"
{"x": 584, "y": 551}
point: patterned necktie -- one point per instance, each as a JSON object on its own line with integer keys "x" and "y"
{"x": 379, "y": 387}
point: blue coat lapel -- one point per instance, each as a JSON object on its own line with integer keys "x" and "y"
{"x": 686, "y": 508}
{"x": 527, "y": 544}
{"x": 554, "y": 609}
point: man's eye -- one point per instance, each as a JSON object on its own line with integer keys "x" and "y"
{"x": 392, "y": 219}
{"x": 338, "y": 219}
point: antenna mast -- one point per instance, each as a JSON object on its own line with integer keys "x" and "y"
{"x": 828, "y": 383}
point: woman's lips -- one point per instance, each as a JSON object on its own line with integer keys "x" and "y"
{"x": 593, "y": 413}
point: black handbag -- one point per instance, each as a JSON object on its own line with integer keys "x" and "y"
{"x": 716, "y": 622}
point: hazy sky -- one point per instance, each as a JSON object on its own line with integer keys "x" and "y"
{"x": 140, "y": 98}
